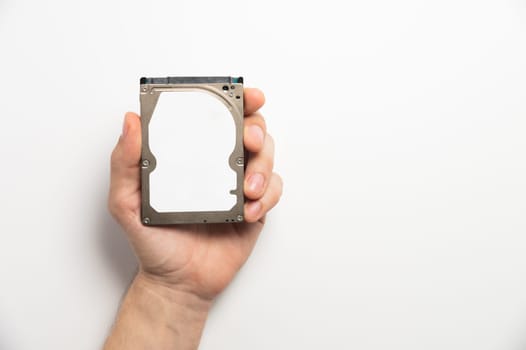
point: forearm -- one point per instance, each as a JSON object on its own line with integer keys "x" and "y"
{"x": 153, "y": 316}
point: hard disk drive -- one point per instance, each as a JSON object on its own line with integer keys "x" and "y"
{"x": 193, "y": 159}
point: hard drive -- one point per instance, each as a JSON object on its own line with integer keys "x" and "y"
{"x": 193, "y": 158}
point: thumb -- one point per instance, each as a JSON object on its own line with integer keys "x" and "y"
{"x": 125, "y": 176}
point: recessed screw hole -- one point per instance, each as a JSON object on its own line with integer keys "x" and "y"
{"x": 238, "y": 97}
{"x": 225, "y": 87}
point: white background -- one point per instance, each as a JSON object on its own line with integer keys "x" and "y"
{"x": 400, "y": 130}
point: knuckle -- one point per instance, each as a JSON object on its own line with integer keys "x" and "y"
{"x": 270, "y": 161}
{"x": 262, "y": 122}
{"x": 273, "y": 194}
{"x": 263, "y": 163}
{"x": 268, "y": 148}
{"x": 276, "y": 195}
{"x": 268, "y": 166}
{"x": 270, "y": 139}
{"x": 256, "y": 118}
{"x": 279, "y": 184}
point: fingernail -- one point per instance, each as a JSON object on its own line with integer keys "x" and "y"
{"x": 124, "y": 128}
{"x": 255, "y": 183}
{"x": 254, "y": 209}
{"x": 256, "y": 133}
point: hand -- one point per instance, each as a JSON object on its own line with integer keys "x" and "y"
{"x": 200, "y": 259}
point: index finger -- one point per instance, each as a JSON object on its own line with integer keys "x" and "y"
{"x": 253, "y": 99}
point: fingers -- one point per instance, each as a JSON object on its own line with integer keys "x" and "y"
{"x": 125, "y": 177}
{"x": 256, "y": 210}
{"x": 254, "y": 132}
{"x": 259, "y": 170}
{"x": 255, "y": 128}
{"x": 262, "y": 187}
{"x": 253, "y": 100}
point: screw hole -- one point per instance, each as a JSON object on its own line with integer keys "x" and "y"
{"x": 225, "y": 87}
{"x": 238, "y": 97}
{"x": 232, "y": 87}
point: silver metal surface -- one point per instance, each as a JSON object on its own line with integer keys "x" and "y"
{"x": 232, "y": 98}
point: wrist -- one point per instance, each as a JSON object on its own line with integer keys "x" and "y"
{"x": 178, "y": 300}
{"x": 187, "y": 282}
{"x": 153, "y": 315}
{"x": 172, "y": 296}
{"x": 181, "y": 314}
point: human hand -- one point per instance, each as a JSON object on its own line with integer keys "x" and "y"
{"x": 200, "y": 259}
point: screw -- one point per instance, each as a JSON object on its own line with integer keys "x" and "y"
{"x": 240, "y": 218}
{"x": 230, "y": 94}
{"x": 146, "y": 221}
{"x": 144, "y": 89}
{"x": 145, "y": 163}
{"x": 239, "y": 161}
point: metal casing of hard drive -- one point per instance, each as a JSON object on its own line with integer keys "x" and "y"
{"x": 229, "y": 91}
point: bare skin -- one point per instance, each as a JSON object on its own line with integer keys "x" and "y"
{"x": 183, "y": 268}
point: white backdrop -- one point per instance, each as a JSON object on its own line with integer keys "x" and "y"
{"x": 400, "y": 130}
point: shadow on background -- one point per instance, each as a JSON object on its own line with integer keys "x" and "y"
{"x": 116, "y": 250}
